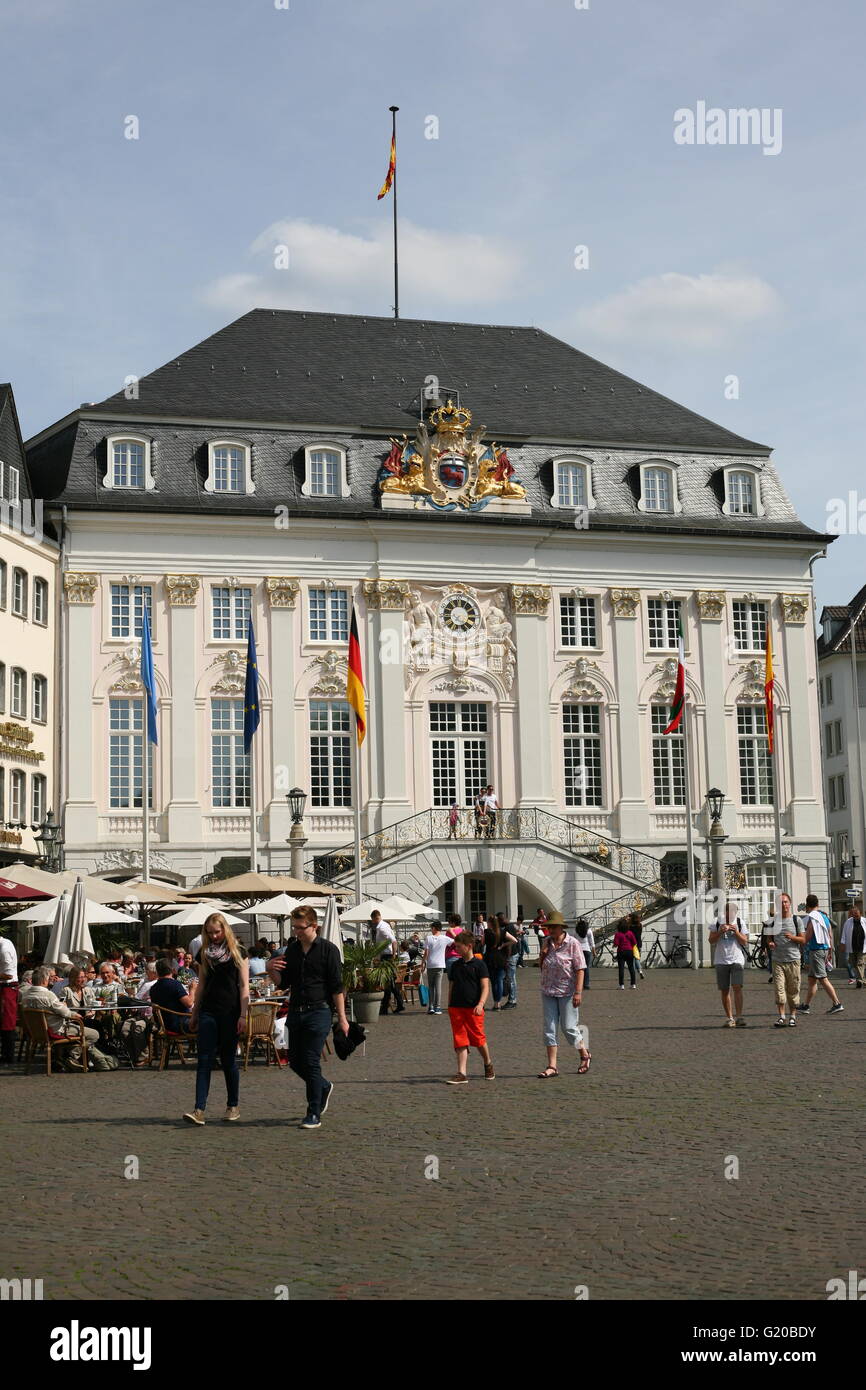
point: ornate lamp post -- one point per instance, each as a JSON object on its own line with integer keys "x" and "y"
{"x": 715, "y": 801}
{"x": 50, "y": 840}
{"x": 297, "y": 800}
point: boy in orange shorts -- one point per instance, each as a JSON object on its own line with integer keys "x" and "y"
{"x": 470, "y": 986}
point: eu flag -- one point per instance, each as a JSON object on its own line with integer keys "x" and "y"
{"x": 252, "y": 713}
{"x": 148, "y": 680}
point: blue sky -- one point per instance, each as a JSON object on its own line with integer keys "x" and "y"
{"x": 261, "y": 126}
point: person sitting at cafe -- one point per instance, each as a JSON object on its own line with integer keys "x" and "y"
{"x": 62, "y": 1021}
{"x": 78, "y": 994}
{"x": 257, "y": 962}
{"x": 169, "y": 993}
{"x": 108, "y": 985}
{"x": 127, "y": 964}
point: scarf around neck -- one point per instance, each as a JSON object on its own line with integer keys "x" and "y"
{"x": 220, "y": 952}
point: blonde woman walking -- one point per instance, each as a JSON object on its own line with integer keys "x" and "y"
{"x": 219, "y": 1012}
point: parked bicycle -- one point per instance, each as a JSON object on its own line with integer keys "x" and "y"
{"x": 603, "y": 954}
{"x": 678, "y": 954}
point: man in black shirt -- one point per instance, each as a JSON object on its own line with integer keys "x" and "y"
{"x": 310, "y": 969}
{"x": 470, "y": 986}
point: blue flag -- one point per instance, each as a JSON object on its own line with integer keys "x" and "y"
{"x": 252, "y": 713}
{"x": 148, "y": 680}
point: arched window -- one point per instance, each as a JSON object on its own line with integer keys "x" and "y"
{"x": 658, "y": 490}
{"x": 742, "y": 492}
{"x": 325, "y": 472}
{"x": 129, "y": 463}
{"x": 229, "y": 467}
{"x": 40, "y": 700}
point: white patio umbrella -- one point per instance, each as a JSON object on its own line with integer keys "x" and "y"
{"x": 399, "y": 909}
{"x": 44, "y": 913}
{"x": 362, "y": 912}
{"x": 280, "y": 906}
{"x": 330, "y": 928}
{"x": 77, "y": 938}
{"x": 197, "y": 914}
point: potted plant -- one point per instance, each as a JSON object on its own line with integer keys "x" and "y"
{"x": 365, "y": 975}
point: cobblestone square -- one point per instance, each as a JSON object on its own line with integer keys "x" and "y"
{"x": 614, "y": 1180}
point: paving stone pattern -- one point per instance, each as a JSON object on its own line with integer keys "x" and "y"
{"x": 614, "y": 1180}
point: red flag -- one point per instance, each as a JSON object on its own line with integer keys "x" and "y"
{"x": 355, "y": 681}
{"x": 392, "y": 167}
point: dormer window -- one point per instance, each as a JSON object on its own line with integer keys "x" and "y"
{"x": 229, "y": 468}
{"x": 129, "y": 464}
{"x": 658, "y": 488}
{"x": 9, "y": 484}
{"x": 325, "y": 471}
{"x": 742, "y": 492}
{"x": 572, "y": 483}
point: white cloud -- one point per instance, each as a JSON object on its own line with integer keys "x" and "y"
{"x": 682, "y": 310}
{"x": 334, "y": 270}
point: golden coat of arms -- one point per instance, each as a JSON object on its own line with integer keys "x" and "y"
{"x": 449, "y": 467}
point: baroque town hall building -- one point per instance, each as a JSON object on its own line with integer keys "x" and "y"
{"x": 519, "y": 528}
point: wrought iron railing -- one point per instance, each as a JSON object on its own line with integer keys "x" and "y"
{"x": 512, "y": 824}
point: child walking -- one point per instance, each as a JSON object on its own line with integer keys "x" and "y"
{"x": 470, "y": 986}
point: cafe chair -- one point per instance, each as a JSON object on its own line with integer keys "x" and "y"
{"x": 259, "y": 1031}
{"x": 36, "y": 1031}
{"x": 410, "y": 983}
{"x": 166, "y": 1035}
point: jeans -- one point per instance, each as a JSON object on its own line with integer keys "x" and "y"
{"x": 497, "y": 982}
{"x": 559, "y": 1013}
{"x": 307, "y": 1032}
{"x": 624, "y": 958}
{"x": 434, "y": 986}
{"x": 512, "y": 979}
{"x": 217, "y": 1034}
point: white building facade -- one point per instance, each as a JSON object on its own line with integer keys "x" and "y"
{"x": 518, "y": 611}
{"x": 843, "y": 744}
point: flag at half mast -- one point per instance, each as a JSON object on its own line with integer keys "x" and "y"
{"x": 769, "y": 686}
{"x": 355, "y": 681}
{"x": 392, "y": 168}
{"x": 678, "y": 703}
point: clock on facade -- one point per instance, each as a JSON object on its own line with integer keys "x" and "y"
{"x": 459, "y": 613}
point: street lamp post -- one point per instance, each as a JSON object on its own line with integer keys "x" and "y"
{"x": 715, "y": 801}
{"x": 297, "y": 800}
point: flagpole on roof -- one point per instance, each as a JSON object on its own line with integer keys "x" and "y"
{"x": 394, "y": 110}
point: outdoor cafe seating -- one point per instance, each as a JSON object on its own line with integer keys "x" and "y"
{"x": 36, "y": 1034}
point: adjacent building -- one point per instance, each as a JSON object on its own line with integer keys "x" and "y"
{"x": 28, "y": 630}
{"x": 843, "y": 730}
{"x": 521, "y": 530}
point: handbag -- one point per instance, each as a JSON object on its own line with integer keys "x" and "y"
{"x": 635, "y": 950}
{"x": 423, "y": 994}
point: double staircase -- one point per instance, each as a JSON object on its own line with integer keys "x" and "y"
{"x": 648, "y": 886}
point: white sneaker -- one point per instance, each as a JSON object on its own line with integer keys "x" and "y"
{"x": 622, "y": 986}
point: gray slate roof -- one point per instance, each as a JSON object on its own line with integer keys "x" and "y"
{"x": 284, "y": 366}
{"x": 845, "y": 612}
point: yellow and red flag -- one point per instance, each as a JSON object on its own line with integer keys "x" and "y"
{"x": 768, "y": 685}
{"x": 392, "y": 168}
{"x": 355, "y": 681}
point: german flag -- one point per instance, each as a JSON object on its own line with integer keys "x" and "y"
{"x": 769, "y": 683}
{"x": 355, "y": 681}
{"x": 392, "y": 167}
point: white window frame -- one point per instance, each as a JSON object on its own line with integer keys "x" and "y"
{"x": 666, "y": 618}
{"x": 4, "y": 579}
{"x": 755, "y": 475}
{"x": 232, "y": 756}
{"x": 753, "y": 747}
{"x": 39, "y": 683}
{"x": 247, "y": 485}
{"x": 19, "y": 685}
{"x": 10, "y": 484}
{"x": 751, "y": 604}
{"x": 572, "y": 461}
{"x": 38, "y": 797}
{"x": 108, "y": 480}
{"x": 146, "y": 588}
{"x": 577, "y": 601}
{"x": 129, "y": 736}
{"x": 328, "y": 640}
{"x": 20, "y": 610}
{"x": 343, "y": 489}
{"x": 333, "y": 753}
{"x": 237, "y": 620}
{"x": 576, "y": 742}
{"x": 668, "y": 751}
{"x": 17, "y": 796}
{"x": 670, "y": 468}
{"x": 40, "y": 601}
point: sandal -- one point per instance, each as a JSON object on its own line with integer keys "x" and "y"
{"x": 584, "y": 1064}
{"x": 547, "y": 1073}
